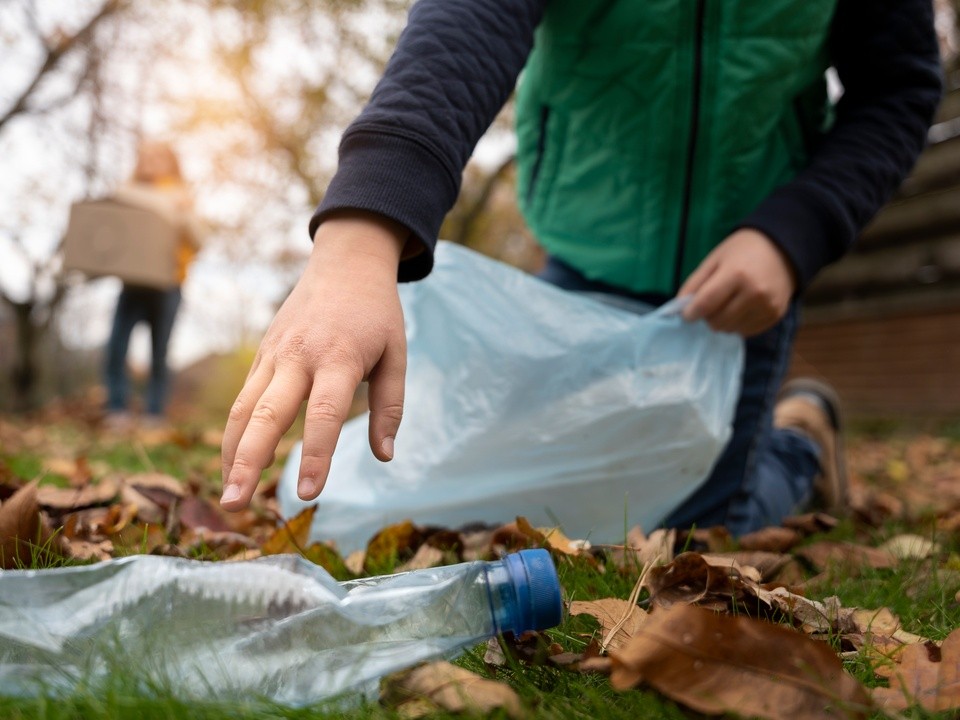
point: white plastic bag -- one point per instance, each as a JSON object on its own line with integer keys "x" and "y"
{"x": 523, "y": 399}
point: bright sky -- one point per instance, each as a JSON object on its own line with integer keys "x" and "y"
{"x": 225, "y": 297}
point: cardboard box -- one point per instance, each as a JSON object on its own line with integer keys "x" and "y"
{"x": 114, "y": 238}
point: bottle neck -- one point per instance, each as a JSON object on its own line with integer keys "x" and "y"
{"x": 504, "y": 604}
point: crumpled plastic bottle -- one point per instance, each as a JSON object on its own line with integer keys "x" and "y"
{"x": 276, "y": 628}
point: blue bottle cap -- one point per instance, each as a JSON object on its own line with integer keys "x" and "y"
{"x": 534, "y": 578}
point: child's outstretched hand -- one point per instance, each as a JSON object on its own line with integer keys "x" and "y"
{"x": 341, "y": 324}
{"x": 744, "y": 286}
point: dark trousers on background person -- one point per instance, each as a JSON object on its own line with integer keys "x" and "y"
{"x": 158, "y": 308}
{"x": 765, "y": 473}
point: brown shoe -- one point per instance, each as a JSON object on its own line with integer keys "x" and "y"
{"x": 812, "y": 408}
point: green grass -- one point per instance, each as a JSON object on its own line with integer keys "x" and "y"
{"x": 922, "y": 594}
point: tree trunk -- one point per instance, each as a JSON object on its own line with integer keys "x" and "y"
{"x": 25, "y": 372}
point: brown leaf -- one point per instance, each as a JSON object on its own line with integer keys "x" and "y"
{"x": 477, "y": 542}
{"x": 641, "y": 550}
{"x": 292, "y": 536}
{"x": 729, "y": 562}
{"x": 147, "y": 510}
{"x": 330, "y": 560}
{"x": 140, "y": 538}
{"x": 879, "y": 639}
{"x": 771, "y": 539}
{"x": 76, "y": 471}
{"x": 768, "y": 564}
{"x": 56, "y": 498}
{"x": 494, "y": 655}
{"x": 598, "y": 665}
{"x": 877, "y": 508}
{"x": 195, "y": 513}
{"x": 909, "y": 547}
{"x": 882, "y": 653}
{"x": 392, "y": 545}
{"x": 884, "y": 623}
{"x": 847, "y": 555}
{"x": 354, "y": 561}
{"x": 612, "y": 613}
{"x": 532, "y": 648}
{"x": 811, "y": 523}
{"x": 157, "y": 481}
{"x": 23, "y": 534}
{"x": 691, "y": 579}
{"x": 223, "y": 544}
{"x": 552, "y": 538}
{"x": 426, "y": 556}
{"x": 512, "y": 538}
{"x": 85, "y": 550}
{"x": 117, "y": 518}
{"x": 721, "y": 664}
{"x": 810, "y": 616}
{"x": 443, "y": 686}
{"x": 928, "y": 676}
{"x": 712, "y": 539}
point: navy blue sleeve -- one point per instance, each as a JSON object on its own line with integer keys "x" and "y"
{"x": 887, "y": 57}
{"x": 454, "y": 67}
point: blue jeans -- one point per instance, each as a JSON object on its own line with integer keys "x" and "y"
{"x": 764, "y": 473}
{"x": 158, "y": 308}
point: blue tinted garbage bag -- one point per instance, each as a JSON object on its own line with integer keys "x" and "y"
{"x": 523, "y": 399}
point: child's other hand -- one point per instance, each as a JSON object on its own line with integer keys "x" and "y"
{"x": 341, "y": 324}
{"x": 744, "y": 286}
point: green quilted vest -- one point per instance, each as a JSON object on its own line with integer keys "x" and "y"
{"x": 648, "y": 129}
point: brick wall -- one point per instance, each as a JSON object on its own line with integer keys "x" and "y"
{"x": 902, "y": 364}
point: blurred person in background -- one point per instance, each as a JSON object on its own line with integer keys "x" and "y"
{"x": 158, "y": 184}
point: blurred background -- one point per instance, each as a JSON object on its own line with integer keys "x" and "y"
{"x": 253, "y": 95}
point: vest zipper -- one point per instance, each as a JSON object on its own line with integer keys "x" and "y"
{"x": 541, "y": 149}
{"x": 692, "y": 144}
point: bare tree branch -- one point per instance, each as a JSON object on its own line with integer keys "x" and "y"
{"x": 54, "y": 55}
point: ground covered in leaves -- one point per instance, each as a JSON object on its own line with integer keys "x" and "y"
{"x": 823, "y": 617}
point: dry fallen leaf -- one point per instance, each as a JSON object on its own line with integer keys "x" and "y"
{"x": 394, "y": 544}
{"x": 329, "y": 559}
{"x": 642, "y": 550}
{"x": 691, "y": 579}
{"x": 909, "y": 547}
{"x": 848, "y": 556}
{"x": 532, "y": 648}
{"x": 292, "y": 536}
{"x": 84, "y": 550}
{"x": 729, "y": 562}
{"x": 552, "y": 538}
{"x": 196, "y": 513}
{"x": 56, "y": 498}
{"x": 811, "y": 523}
{"x": 928, "y": 676}
{"x": 354, "y": 561}
{"x": 768, "y": 564}
{"x": 426, "y": 556}
{"x": 770, "y": 539}
{"x": 77, "y": 471}
{"x": 611, "y": 612}
{"x": 721, "y": 664}
{"x": 147, "y": 510}
{"x": 810, "y": 616}
{"x": 23, "y": 534}
{"x": 884, "y": 623}
{"x": 443, "y": 686}
{"x": 157, "y": 481}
